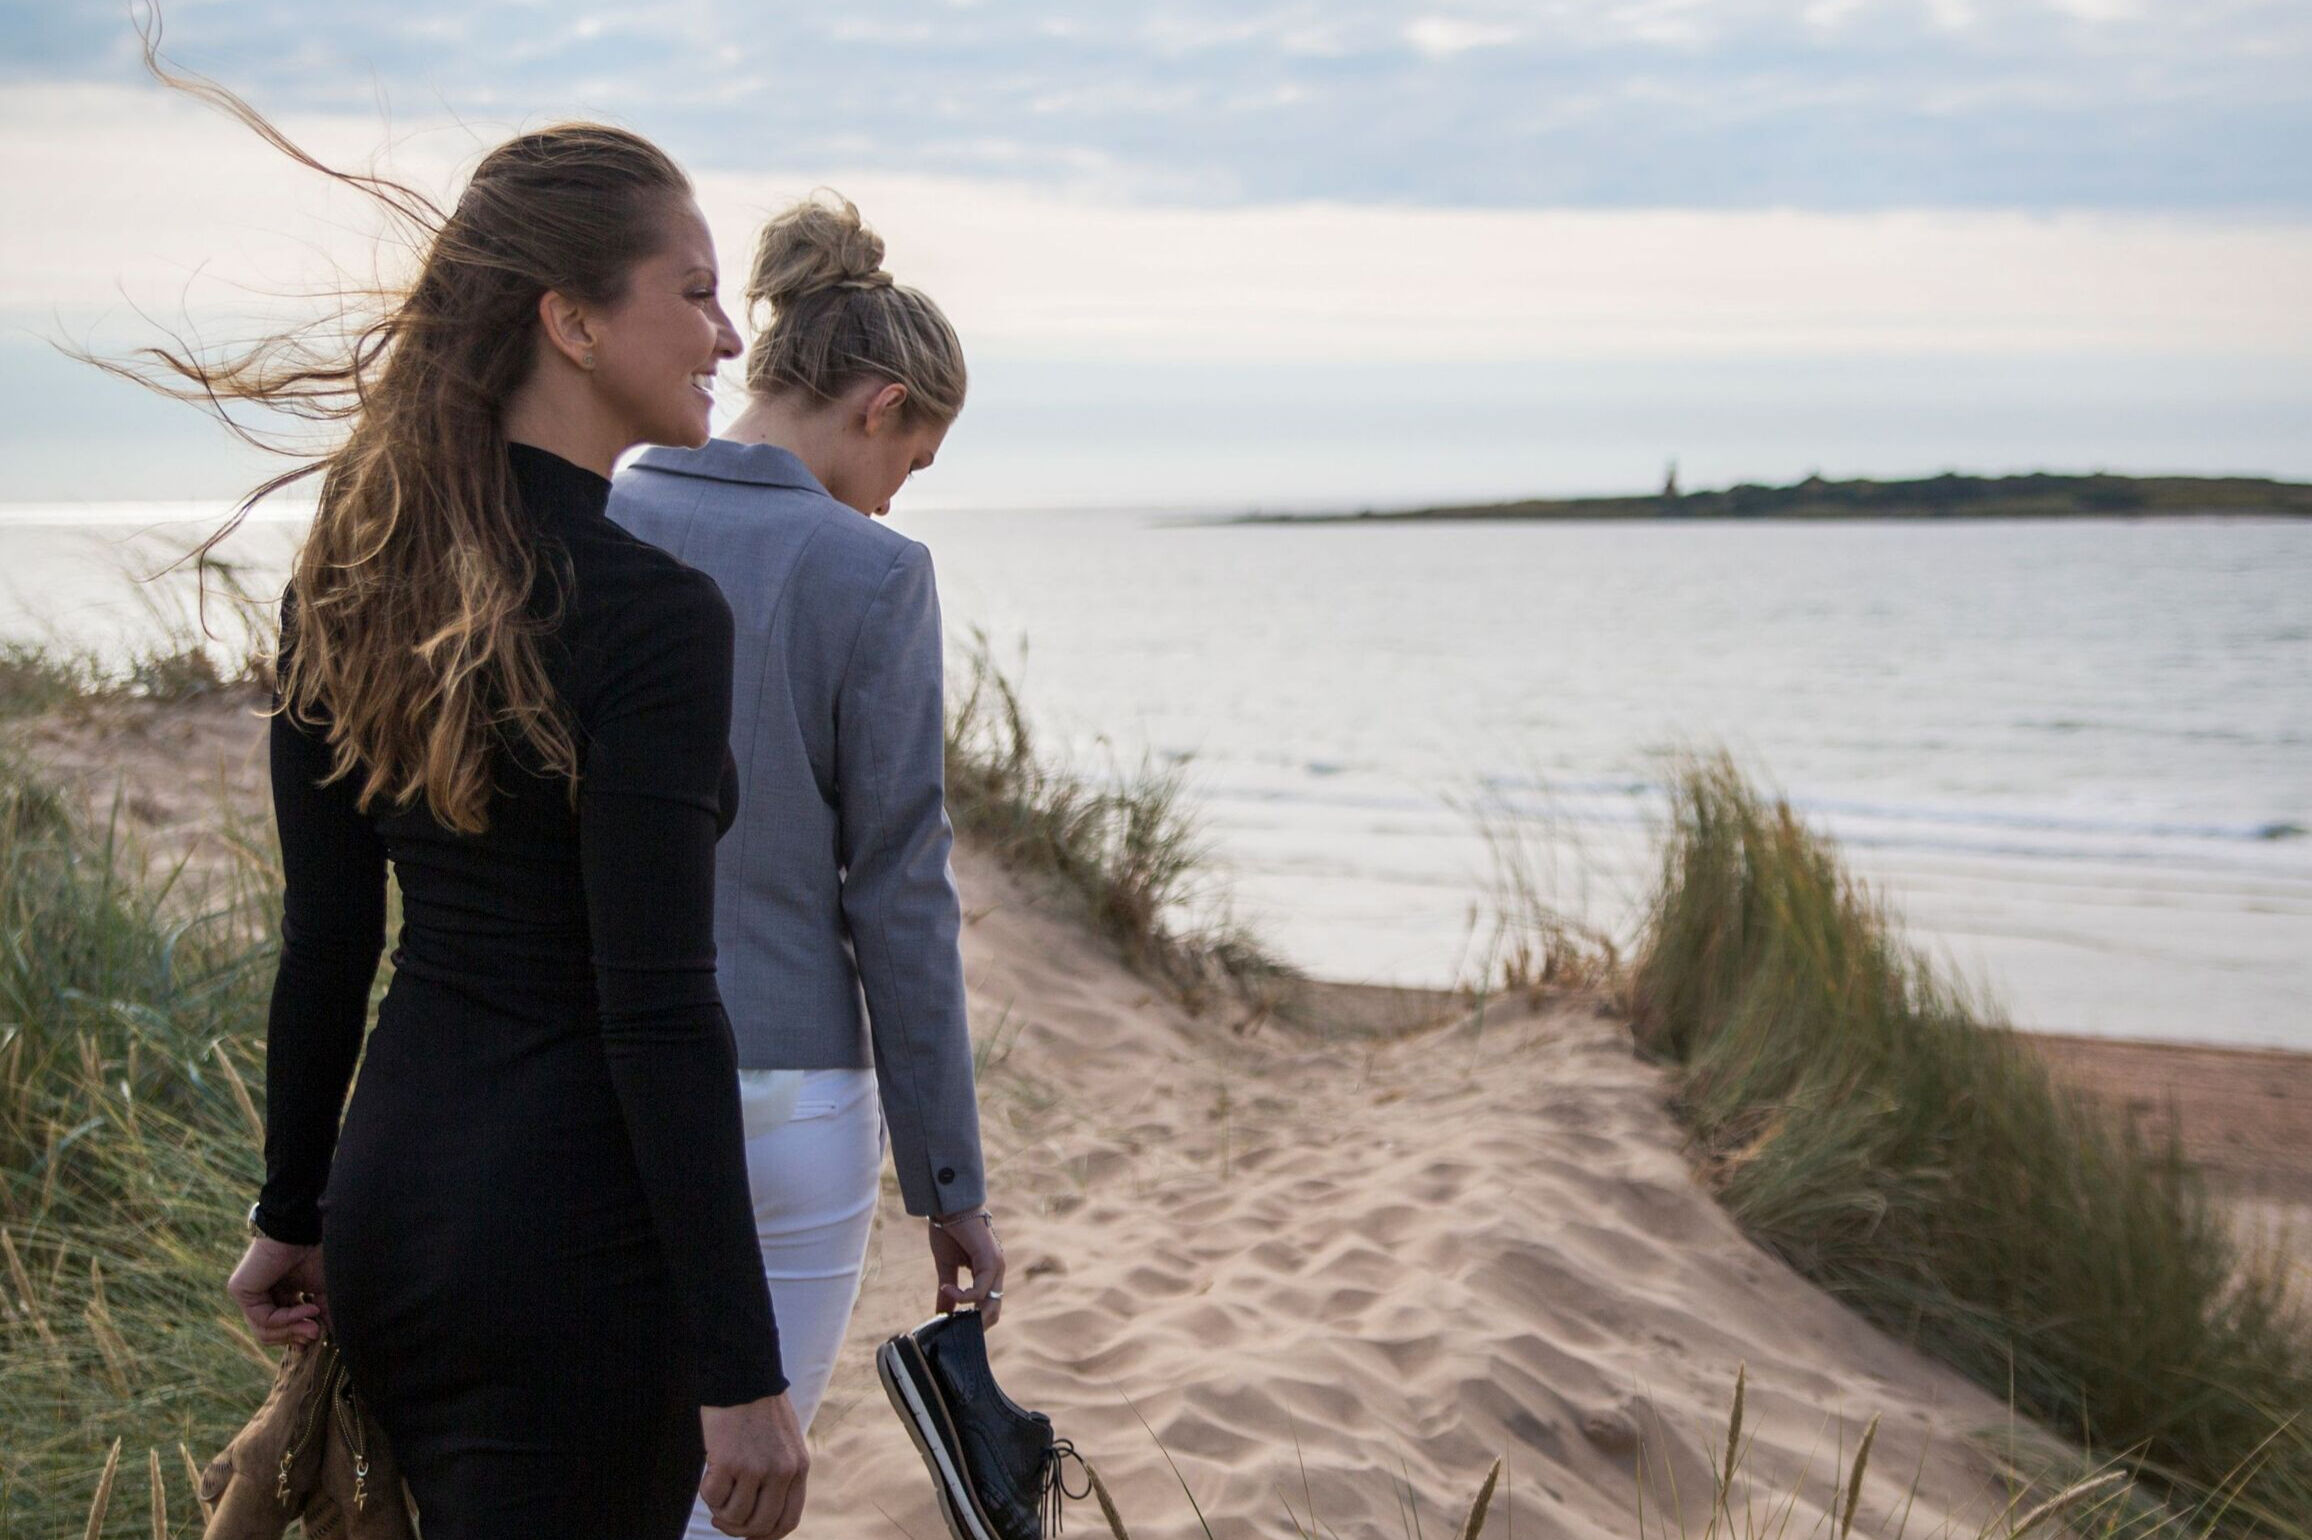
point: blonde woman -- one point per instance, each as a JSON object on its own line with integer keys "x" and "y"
{"x": 836, "y": 917}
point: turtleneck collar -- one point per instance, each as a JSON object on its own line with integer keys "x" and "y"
{"x": 551, "y": 487}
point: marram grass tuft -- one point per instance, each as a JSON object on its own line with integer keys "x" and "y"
{"x": 1127, "y": 846}
{"x": 130, "y": 1011}
{"x": 1891, "y": 1138}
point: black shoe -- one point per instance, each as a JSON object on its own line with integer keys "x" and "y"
{"x": 994, "y": 1463}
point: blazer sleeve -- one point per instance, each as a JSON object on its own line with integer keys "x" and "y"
{"x": 649, "y": 814}
{"x": 899, "y": 899}
{"x": 332, "y": 933}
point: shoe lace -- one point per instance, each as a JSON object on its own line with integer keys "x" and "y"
{"x": 1052, "y": 1483}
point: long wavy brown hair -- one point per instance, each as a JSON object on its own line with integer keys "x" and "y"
{"x": 418, "y": 602}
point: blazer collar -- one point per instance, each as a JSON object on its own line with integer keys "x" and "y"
{"x": 762, "y": 465}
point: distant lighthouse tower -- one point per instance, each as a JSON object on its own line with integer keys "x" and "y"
{"x": 1670, "y": 480}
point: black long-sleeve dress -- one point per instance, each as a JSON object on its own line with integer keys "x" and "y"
{"x": 539, "y": 1245}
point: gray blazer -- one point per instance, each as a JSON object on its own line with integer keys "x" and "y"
{"x": 836, "y": 919}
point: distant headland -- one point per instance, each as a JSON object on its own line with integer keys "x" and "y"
{"x": 1948, "y": 496}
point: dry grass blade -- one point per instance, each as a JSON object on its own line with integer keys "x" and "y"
{"x": 24, "y": 1290}
{"x": 193, "y": 1479}
{"x": 1474, "y": 1525}
{"x": 240, "y": 1090}
{"x": 238, "y": 1334}
{"x": 102, "y": 1504}
{"x": 1178, "y": 1475}
{"x": 1733, "y": 1435}
{"x": 1854, "y": 1479}
{"x": 109, "y": 1343}
{"x": 128, "y": 1080}
{"x": 160, "y": 1508}
{"x": 2064, "y": 1501}
{"x": 1107, "y": 1503}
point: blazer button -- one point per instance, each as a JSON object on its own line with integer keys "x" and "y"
{"x": 946, "y": 1175}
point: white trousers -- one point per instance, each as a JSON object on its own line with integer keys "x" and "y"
{"x": 814, "y": 1163}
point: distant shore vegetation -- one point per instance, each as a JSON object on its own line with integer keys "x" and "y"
{"x": 1948, "y": 496}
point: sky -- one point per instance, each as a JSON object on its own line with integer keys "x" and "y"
{"x": 1260, "y": 254}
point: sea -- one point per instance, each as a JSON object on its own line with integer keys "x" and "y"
{"x": 2073, "y": 757}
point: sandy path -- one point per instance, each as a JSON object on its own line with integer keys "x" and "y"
{"x": 1414, "y": 1255}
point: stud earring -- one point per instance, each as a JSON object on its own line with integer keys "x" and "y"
{"x": 588, "y": 361}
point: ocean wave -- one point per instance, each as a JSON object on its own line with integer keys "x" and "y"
{"x": 1635, "y": 805}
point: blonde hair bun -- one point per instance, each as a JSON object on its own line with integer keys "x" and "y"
{"x": 819, "y": 244}
{"x": 835, "y": 317}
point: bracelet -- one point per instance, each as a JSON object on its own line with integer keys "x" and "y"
{"x": 982, "y": 1214}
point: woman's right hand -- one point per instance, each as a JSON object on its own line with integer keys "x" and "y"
{"x": 755, "y": 1466}
{"x": 281, "y": 1291}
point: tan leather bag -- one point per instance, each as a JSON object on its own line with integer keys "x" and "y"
{"x": 311, "y": 1452}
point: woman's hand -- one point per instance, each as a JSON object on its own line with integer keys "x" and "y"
{"x": 755, "y": 1466}
{"x": 967, "y": 1240}
{"x": 281, "y": 1292}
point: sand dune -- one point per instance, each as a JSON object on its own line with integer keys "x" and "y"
{"x": 1336, "y": 1272}
{"x": 1409, "y": 1255}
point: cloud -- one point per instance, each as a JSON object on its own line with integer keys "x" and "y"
{"x": 1831, "y": 104}
{"x": 1441, "y": 37}
{"x": 174, "y": 208}
{"x": 1289, "y": 249}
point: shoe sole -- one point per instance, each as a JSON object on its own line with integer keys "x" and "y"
{"x": 924, "y": 1413}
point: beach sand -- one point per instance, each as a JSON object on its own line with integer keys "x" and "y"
{"x": 1321, "y": 1273}
{"x": 2242, "y": 1115}
{"x": 1326, "y": 1272}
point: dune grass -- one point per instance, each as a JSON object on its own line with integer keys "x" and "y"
{"x": 35, "y": 679}
{"x": 1127, "y": 847}
{"x": 224, "y": 640}
{"x": 1878, "y": 1128}
{"x": 1534, "y": 942}
{"x": 129, "y": 1010}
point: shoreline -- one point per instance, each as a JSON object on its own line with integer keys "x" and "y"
{"x": 2242, "y": 1116}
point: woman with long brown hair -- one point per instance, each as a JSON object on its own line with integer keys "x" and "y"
{"x": 532, "y": 1239}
